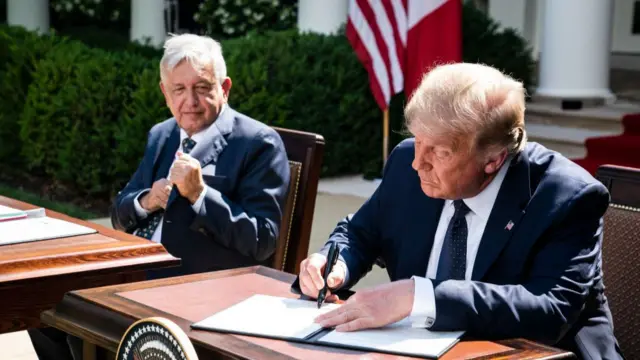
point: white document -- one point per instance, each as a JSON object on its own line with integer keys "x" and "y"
{"x": 9, "y": 213}
{"x": 39, "y": 228}
{"x": 293, "y": 319}
{"x": 268, "y": 316}
{"x": 397, "y": 338}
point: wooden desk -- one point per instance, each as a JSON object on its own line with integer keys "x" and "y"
{"x": 102, "y": 315}
{"x": 35, "y": 276}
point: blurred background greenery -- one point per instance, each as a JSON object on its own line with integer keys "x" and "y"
{"x": 83, "y": 97}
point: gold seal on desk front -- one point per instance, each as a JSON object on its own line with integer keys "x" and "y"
{"x": 155, "y": 338}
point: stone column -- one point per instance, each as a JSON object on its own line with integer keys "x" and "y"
{"x": 147, "y": 21}
{"x": 31, "y": 14}
{"x": 322, "y": 16}
{"x": 575, "y": 51}
{"x": 509, "y": 13}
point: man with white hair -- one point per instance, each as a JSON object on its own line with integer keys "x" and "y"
{"x": 212, "y": 183}
{"x": 478, "y": 230}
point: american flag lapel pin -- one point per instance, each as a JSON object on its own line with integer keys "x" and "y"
{"x": 509, "y": 225}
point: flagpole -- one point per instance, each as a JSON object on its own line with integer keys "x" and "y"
{"x": 385, "y": 135}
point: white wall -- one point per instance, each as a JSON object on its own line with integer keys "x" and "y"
{"x": 31, "y": 14}
{"x": 622, "y": 39}
{"x": 147, "y": 21}
{"x": 322, "y": 16}
{"x": 509, "y": 13}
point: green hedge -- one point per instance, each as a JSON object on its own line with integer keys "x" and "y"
{"x": 82, "y": 113}
{"x": 20, "y": 52}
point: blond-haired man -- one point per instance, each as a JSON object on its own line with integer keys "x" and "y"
{"x": 479, "y": 231}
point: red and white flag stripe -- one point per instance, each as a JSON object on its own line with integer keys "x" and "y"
{"x": 397, "y": 40}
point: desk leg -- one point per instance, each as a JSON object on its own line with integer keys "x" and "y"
{"x": 89, "y": 351}
{"x": 93, "y": 352}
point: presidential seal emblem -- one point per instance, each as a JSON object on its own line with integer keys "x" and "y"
{"x": 155, "y": 338}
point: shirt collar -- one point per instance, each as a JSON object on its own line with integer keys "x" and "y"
{"x": 482, "y": 204}
{"x": 197, "y": 137}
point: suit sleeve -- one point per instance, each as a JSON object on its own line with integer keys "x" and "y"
{"x": 124, "y": 215}
{"x": 358, "y": 234}
{"x": 549, "y": 299}
{"x": 251, "y": 223}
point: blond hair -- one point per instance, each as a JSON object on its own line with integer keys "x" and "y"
{"x": 465, "y": 100}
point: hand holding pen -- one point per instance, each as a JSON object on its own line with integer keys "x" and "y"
{"x": 318, "y": 277}
{"x": 332, "y": 258}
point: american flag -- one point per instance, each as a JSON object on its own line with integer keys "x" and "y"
{"x": 397, "y": 41}
{"x": 509, "y": 225}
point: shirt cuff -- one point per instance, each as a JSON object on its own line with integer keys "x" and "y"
{"x": 423, "y": 312}
{"x": 346, "y": 273}
{"x": 140, "y": 211}
{"x": 198, "y": 204}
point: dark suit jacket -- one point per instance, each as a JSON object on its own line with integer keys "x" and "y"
{"x": 239, "y": 221}
{"x": 540, "y": 280}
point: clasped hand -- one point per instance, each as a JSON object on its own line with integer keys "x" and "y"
{"x": 367, "y": 308}
{"x": 185, "y": 175}
{"x": 157, "y": 197}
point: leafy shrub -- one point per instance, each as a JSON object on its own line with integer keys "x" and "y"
{"x": 235, "y": 18}
{"x": 105, "y": 39}
{"x": 114, "y": 15}
{"x": 71, "y": 112}
{"x": 20, "y": 51}
{"x": 308, "y": 82}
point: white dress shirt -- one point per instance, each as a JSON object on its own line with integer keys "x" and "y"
{"x": 142, "y": 213}
{"x": 423, "y": 313}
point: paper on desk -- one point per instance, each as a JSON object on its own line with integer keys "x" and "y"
{"x": 38, "y": 227}
{"x": 9, "y": 213}
{"x": 399, "y": 338}
{"x": 270, "y": 316}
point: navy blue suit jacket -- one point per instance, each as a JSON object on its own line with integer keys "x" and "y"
{"x": 239, "y": 221}
{"x": 540, "y": 280}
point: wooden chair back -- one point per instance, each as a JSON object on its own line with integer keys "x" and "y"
{"x": 305, "y": 152}
{"x": 620, "y": 253}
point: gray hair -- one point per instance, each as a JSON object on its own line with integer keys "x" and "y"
{"x": 463, "y": 99}
{"x": 202, "y": 52}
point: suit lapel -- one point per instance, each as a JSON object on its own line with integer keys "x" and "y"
{"x": 214, "y": 140}
{"x": 507, "y": 212}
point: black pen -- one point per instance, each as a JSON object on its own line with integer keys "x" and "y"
{"x": 332, "y": 258}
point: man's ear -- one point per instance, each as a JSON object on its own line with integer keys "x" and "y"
{"x": 226, "y": 87}
{"x": 495, "y": 161}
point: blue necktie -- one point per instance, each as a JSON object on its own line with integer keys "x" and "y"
{"x": 453, "y": 256}
{"x": 154, "y": 220}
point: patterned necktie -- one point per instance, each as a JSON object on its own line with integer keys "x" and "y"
{"x": 453, "y": 256}
{"x": 187, "y": 145}
{"x": 154, "y": 220}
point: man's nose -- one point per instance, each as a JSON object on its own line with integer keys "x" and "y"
{"x": 193, "y": 98}
{"x": 420, "y": 163}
